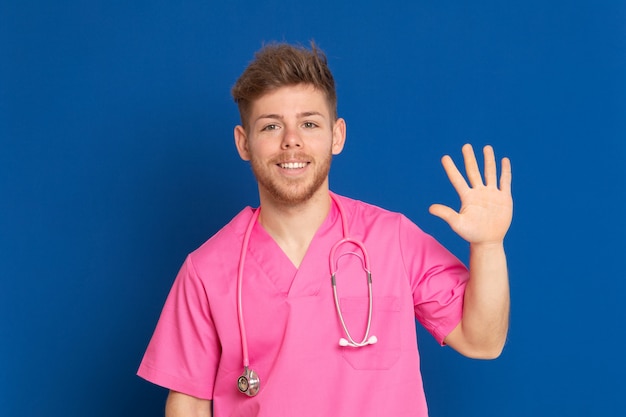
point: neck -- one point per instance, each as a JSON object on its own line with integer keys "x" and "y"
{"x": 293, "y": 227}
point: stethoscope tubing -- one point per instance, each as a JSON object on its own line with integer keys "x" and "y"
{"x": 249, "y": 376}
{"x": 242, "y": 259}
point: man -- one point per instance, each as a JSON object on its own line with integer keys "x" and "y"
{"x": 257, "y": 297}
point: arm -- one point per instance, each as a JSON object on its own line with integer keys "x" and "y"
{"x": 182, "y": 405}
{"x": 483, "y": 220}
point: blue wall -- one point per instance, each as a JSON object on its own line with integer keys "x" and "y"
{"x": 117, "y": 159}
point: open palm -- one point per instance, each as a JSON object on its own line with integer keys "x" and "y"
{"x": 486, "y": 206}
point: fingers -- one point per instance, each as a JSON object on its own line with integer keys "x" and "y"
{"x": 471, "y": 166}
{"x": 473, "y": 171}
{"x": 506, "y": 175}
{"x": 455, "y": 177}
{"x": 491, "y": 174}
{"x": 491, "y": 171}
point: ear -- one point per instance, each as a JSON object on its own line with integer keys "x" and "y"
{"x": 241, "y": 142}
{"x": 339, "y": 136}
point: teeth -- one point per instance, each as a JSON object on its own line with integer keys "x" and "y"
{"x": 293, "y": 165}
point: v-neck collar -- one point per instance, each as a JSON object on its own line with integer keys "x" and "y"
{"x": 314, "y": 268}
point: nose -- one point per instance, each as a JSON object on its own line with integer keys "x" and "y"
{"x": 291, "y": 139}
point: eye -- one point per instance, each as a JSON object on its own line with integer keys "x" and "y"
{"x": 269, "y": 127}
{"x": 309, "y": 125}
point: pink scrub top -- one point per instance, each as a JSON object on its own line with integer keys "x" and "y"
{"x": 292, "y": 325}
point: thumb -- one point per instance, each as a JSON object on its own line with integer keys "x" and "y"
{"x": 443, "y": 212}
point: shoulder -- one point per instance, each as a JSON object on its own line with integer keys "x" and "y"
{"x": 353, "y": 206}
{"x": 225, "y": 244}
{"x": 363, "y": 214}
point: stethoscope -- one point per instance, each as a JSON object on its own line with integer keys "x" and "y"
{"x": 249, "y": 383}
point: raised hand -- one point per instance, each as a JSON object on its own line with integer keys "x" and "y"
{"x": 486, "y": 208}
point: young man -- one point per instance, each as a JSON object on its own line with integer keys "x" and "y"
{"x": 254, "y": 326}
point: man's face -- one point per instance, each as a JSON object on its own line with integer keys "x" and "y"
{"x": 290, "y": 142}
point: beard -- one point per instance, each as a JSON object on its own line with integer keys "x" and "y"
{"x": 291, "y": 191}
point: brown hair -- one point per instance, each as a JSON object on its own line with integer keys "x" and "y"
{"x": 278, "y": 65}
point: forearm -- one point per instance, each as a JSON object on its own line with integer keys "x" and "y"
{"x": 181, "y": 405}
{"x": 487, "y": 302}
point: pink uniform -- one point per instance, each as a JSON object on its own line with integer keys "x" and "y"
{"x": 293, "y": 329}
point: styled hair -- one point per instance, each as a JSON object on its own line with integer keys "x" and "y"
{"x": 279, "y": 65}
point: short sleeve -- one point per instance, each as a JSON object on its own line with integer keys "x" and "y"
{"x": 438, "y": 280}
{"x": 184, "y": 350}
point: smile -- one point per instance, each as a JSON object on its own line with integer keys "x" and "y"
{"x": 293, "y": 165}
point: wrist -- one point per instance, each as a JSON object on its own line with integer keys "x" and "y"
{"x": 497, "y": 245}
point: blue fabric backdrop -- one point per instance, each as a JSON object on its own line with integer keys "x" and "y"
{"x": 116, "y": 160}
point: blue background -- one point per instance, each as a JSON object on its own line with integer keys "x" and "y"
{"x": 117, "y": 159}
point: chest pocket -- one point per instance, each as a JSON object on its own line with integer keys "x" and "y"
{"x": 386, "y": 326}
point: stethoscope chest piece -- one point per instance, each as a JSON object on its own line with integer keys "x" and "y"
{"x": 249, "y": 382}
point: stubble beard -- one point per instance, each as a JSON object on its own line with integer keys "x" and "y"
{"x": 290, "y": 191}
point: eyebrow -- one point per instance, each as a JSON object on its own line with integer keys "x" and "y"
{"x": 279, "y": 117}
